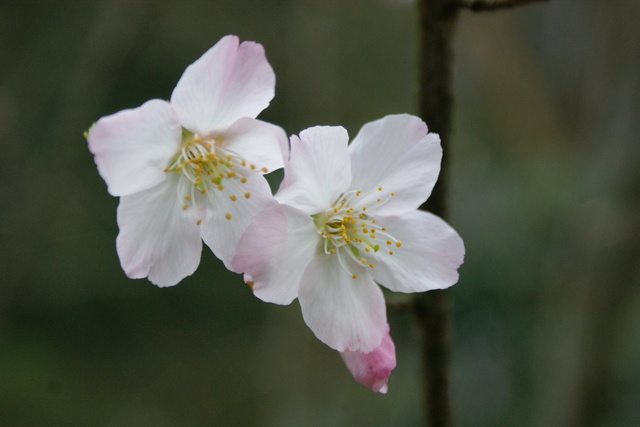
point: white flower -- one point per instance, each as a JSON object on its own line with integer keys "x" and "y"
{"x": 191, "y": 169}
{"x": 347, "y": 219}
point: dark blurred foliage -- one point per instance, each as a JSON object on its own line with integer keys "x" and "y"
{"x": 545, "y": 191}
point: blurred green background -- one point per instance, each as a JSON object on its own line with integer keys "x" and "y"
{"x": 545, "y": 191}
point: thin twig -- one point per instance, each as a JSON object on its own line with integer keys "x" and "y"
{"x": 491, "y": 5}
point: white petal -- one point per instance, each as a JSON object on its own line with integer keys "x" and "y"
{"x": 157, "y": 237}
{"x": 261, "y": 143}
{"x": 228, "y": 82}
{"x": 429, "y": 257}
{"x": 344, "y": 313}
{"x": 318, "y": 171}
{"x": 398, "y": 154}
{"x": 274, "y": 252}
{"x": 133, "y": 147}
{"x": 227, "y": 219}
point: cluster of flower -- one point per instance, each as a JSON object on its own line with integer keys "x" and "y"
{"x": 344, "y": 219}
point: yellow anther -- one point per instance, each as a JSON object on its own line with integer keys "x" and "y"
{"x": 378, "y": 200}
{"x": 358, "y": 193}
{"x": 220, "y": 187}
{"x": 372, "y": 265}
{"x": 231, "y": 174}
{"x": 393, "y": 194}
{"x": 362, "y": 260}
{"x": 250, "y": 284}
{"x": 264, "y": 170}
{"x": 364, "y": 208}
{"x": 379, "y": 188}
{"x": 390, "y": 252}
{"x": 243, "y": 163}
{"x": 233, "y": 198}
{"x": 367, "y": 248}
{"x": 243, "y": 179}
{"x": 398, "y": 243}
{"x": 203, "y": 190}
{"x": 198, "y": 222}
{"x": 365, "y": 230}
{"x": 247, "y": 195}
{"x": 332, "y": 251}
{"x": 252, "y": 166}
{"x": 383, "y": 229}
{"x": 388, "y": 242}
{"x": 227, "y": 215}
{"x": 187, "y": 197}
{"x": 353, "y": 276}
{"x": 185, "y": 206}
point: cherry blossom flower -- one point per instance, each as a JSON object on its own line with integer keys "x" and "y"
{"x": 347, "y": 218}
{"x": 191, "y": 169}
{"x": 374, "y": 368}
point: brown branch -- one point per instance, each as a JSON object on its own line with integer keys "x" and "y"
{"x": 491, "y": 5}
{"x": 437, "y": 23}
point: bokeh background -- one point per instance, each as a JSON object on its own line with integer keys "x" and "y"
{"x": 545, "y": 190}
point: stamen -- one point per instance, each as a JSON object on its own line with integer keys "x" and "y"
{"x": 347, "y": 230}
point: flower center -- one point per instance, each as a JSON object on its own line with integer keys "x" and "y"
{"x": 349, "y": 232}
{"x": 207, "y": 166}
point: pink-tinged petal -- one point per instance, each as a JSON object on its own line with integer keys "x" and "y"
{"x": 227, "y": 218}
{"x": 343, "y": 312}
{"x": 274, "y": 252}
{"x": 318, "y": 171}
{"x": 374, "y": 368}
{"x": 157, "y": 237}
{"x": 429, "y": 257}
{"x": 133, "y": 147}
{"x": 398, "y": 154}
{"x": 260, "y": 143}
{"x": 228, "y": 82}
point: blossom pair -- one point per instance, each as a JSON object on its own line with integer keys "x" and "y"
{"x": 345, "y": 216}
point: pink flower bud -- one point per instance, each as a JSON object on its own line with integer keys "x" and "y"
{"x": 373, "y": 369}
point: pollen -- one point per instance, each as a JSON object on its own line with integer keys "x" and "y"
{"x": 252, "y": 166}
{"x": 227, "y": 215}
{"x": 247, "y": 195}
{"x": 347, "y": 229}
{"x": 198, "y": 222}
{"x": 264, "y": 170}
{"x": 207, "y": 165}
{"x": 353, "y": 276}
